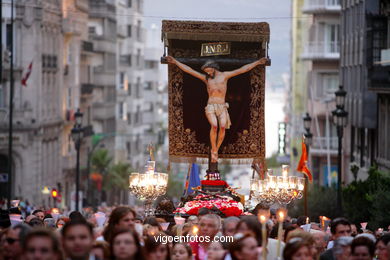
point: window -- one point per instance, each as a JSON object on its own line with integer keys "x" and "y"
{"x": 139, "y": 28}
{"x": 2, "y": 97}
{"x": 148, "y": 85}
{"x": 138, "y": 115}
{"x": 125, "y": 60}
{"x": 69, "y": 98}
{"x": 92, "y": 30}
{"x": 129, "y": 30}
{"x": 138, "y": 57}
{"x": 123, "y": 111}
{"x": 332, "y": 39}
{"x": 9, "y": 39}
{"x": 129, "y": 118}
{"x": 327, "y": 84}
{"x": 137, "y": 88}
{"x": 151, "y": 64}
{"x": 128, "y": 150}
{"x": 129, "y": 89}
{"x": 122, "y": 79}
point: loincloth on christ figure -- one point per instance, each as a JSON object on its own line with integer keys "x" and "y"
{"x": 218, "y": 110}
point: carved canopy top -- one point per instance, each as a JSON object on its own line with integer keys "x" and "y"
{"x": 229, "y": 31}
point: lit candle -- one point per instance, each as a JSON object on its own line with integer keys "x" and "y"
{"x": 263, "y": 221}
{"x": 281, "y": 216}
{"x": 307, "y": 220}
{"x": 195, "y": 230}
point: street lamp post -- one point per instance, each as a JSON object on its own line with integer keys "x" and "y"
{"x": 340, "y": 120}
{"x": 77, "y": 136}
{"x": 308, "y": 141}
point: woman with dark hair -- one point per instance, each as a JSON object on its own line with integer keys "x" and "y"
{"x": 250, "y": 224}
{"x": 155, "y": 248}
{"x": 244, "y": 247}
{"x": 297, "y": 249}
{"x": 120, "y": 218}
{"x": 381, "y": 249}
{"x": 362, "y": 248}
{"x": 125, "y": 245}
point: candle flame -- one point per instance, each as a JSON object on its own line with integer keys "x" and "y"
{"x": 262, "y": 219}
{"x": 195, "y": 230}
{"x": 281, "y": 215}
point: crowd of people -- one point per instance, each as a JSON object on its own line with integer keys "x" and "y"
{"x": 126, "y": 235}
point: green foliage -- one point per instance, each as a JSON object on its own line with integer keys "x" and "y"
{"x": 271, "y": 162}
{"x": 369, "y": 200}
{"x": 117, "y": 177}
{"x": 321, "y": 202}
{"x": 363, "y": 201}
{"x": 101, "y": 161}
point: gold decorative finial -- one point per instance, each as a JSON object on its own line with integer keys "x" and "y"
{"x": 151, "y": 150}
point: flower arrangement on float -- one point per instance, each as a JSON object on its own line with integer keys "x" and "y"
{"x": 225, "y": 204}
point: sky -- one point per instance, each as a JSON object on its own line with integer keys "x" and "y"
{"x": 275, "y": 12}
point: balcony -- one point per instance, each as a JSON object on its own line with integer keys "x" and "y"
{"x": 321, "y": 6}
{"x": 122, "y": 31}
{"x": 86, "y": 89}
{"x": 87, "y": 46}
{"x": 379, "y": 80}
{"x": 103, "y": 111}
{"x": 321, "y": 51}
{"x": 102, "y": 77}
{"x": 320, "y": 145}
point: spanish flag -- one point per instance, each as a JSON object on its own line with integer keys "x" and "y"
{"x": 302, "y": 165}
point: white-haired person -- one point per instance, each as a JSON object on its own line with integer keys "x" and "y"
{"x": 209, "y": 226}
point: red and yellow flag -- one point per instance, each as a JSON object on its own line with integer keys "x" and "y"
{"x": 302, "y": 165}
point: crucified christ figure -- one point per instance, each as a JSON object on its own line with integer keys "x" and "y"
{"x": 217, "y": 108}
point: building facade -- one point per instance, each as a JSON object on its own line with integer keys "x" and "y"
{"x": 321, "y": 54}
{"x": 364, "y": 74}
{"x": 38, "y": 117}
{"x": 89, "y": 55}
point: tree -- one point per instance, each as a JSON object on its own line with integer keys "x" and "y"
{"x": 100, "y": 164}
{"x": 321, "y": 202}
{"x": 101, "y": 161}
{"x": 117, "y": 181}
{"x": 369, "y": 200}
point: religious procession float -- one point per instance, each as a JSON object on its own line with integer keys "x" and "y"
{"x": 216, "y": 73}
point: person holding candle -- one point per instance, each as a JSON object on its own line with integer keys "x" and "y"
{"x": 209, "y": 226}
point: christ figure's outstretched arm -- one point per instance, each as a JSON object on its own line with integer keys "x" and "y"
{"x": 245, "y": 68}
{"x": 186, "y": 68}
